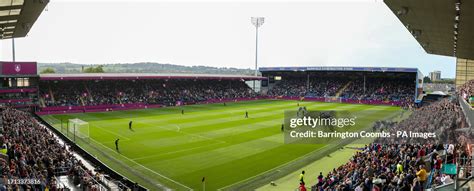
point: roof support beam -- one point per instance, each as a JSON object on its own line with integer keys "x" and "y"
{"x": 6, "y": 8}
{"x": 9, "y": 17}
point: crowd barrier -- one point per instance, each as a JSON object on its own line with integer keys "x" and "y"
{"x": 22, "y": 100}
{"x": 18, "y": 90}
{"x": 210, "y": 101}
{"x": 467, "y": 110}
{"x": 372, "y": 102}
{"x": 118, "y": 107}
{"x": 342, "y": 100}
{"x": 93, "y": 108}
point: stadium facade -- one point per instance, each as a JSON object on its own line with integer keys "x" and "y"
{"x": 19, "y": 84}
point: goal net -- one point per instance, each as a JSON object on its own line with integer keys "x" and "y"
{"x": 333, "y": 99}
{"x": 78, "y": 129}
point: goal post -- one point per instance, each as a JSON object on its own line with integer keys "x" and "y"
{"x": 78, "y": 128}
{"x": 333, "y": 99}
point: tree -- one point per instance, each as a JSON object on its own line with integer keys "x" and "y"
{"x": 48, "y": 71}
{"x": 426, "y": 79}
{"x": 98, "y": 69}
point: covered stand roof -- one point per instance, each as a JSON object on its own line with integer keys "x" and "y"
{"x": 339, "y": 69}
{"x": 141, "y": 76}
{"x": 18, "y": 16}
{"x": 442, "y": 27}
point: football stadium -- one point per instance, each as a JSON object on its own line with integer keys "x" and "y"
{"x": 319, "y": 128}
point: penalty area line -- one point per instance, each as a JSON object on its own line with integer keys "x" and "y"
{"x": 178, "y": 130}
{"x": 154, "y": 172}
{"x": 172, "y": 152}
{"x": 109, "y": 131}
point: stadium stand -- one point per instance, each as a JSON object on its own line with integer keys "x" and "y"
{"x": 380, "y": 89}
{"x": 393, "y": 167}
{"x": 409, "y": 164}
{"x": 366, "y": 85}
{"x": 164, "y": 92}
{"x": 74, "y": 93}
{"x": 34, "y": 154}
{"x": 18, "y": 84}
{"x": 467, "y": 90}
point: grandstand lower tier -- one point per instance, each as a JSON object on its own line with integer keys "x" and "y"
{"x": 130, "y": 106}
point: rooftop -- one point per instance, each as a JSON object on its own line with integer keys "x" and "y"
{"x": 442, "y": 27}
{"x": 339, "y": 68}
{"x": 138, "y": 76}
{"x": 18, "y": 16}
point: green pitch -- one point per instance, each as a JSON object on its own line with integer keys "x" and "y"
{"x": 214, "y": 141}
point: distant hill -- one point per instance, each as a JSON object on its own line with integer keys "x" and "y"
{"x": 145, "y": 67}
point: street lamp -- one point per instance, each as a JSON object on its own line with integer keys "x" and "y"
{"x": 257, "y": 22}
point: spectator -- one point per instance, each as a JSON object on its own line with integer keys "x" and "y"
{"x": 422, "y": 175}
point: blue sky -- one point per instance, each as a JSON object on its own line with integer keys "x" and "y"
{"x": 295, "y": 33}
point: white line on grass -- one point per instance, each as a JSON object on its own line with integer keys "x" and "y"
{"x": 111, "y": 132}
{"x": 273, "y": 168}
{"x": 171, "y": 152}
{"x": 182, "y": 132}
{"x": 317, "y": 150}
{"x": 169, "y": 179}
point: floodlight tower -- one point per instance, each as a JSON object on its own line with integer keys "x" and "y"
{"x": 257, "y": 22}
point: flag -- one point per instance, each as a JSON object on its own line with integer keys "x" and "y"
{"x": 203, "y": 179}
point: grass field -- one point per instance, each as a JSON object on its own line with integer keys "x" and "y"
{"x": 212, "y": 141}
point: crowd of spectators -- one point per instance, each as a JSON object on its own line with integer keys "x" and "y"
{"x": 444, "y": 118}
{"x": 407, "y": 163}
{"x": 380, "y": 89}
{"x": 320, "y": 87}
{"x": 401, "y": 167}
{"x": 169, "y": 92}
{"x": 466, "y": 91}
{"x": 10, "y": 96}
{"x": 383, "y": 89}
{"x": 33, "y": 157}
{"x": 166, "y": 92}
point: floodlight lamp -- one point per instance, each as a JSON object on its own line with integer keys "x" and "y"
{"x": 257, "y": 21}
{"x": 402, "y": 11}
